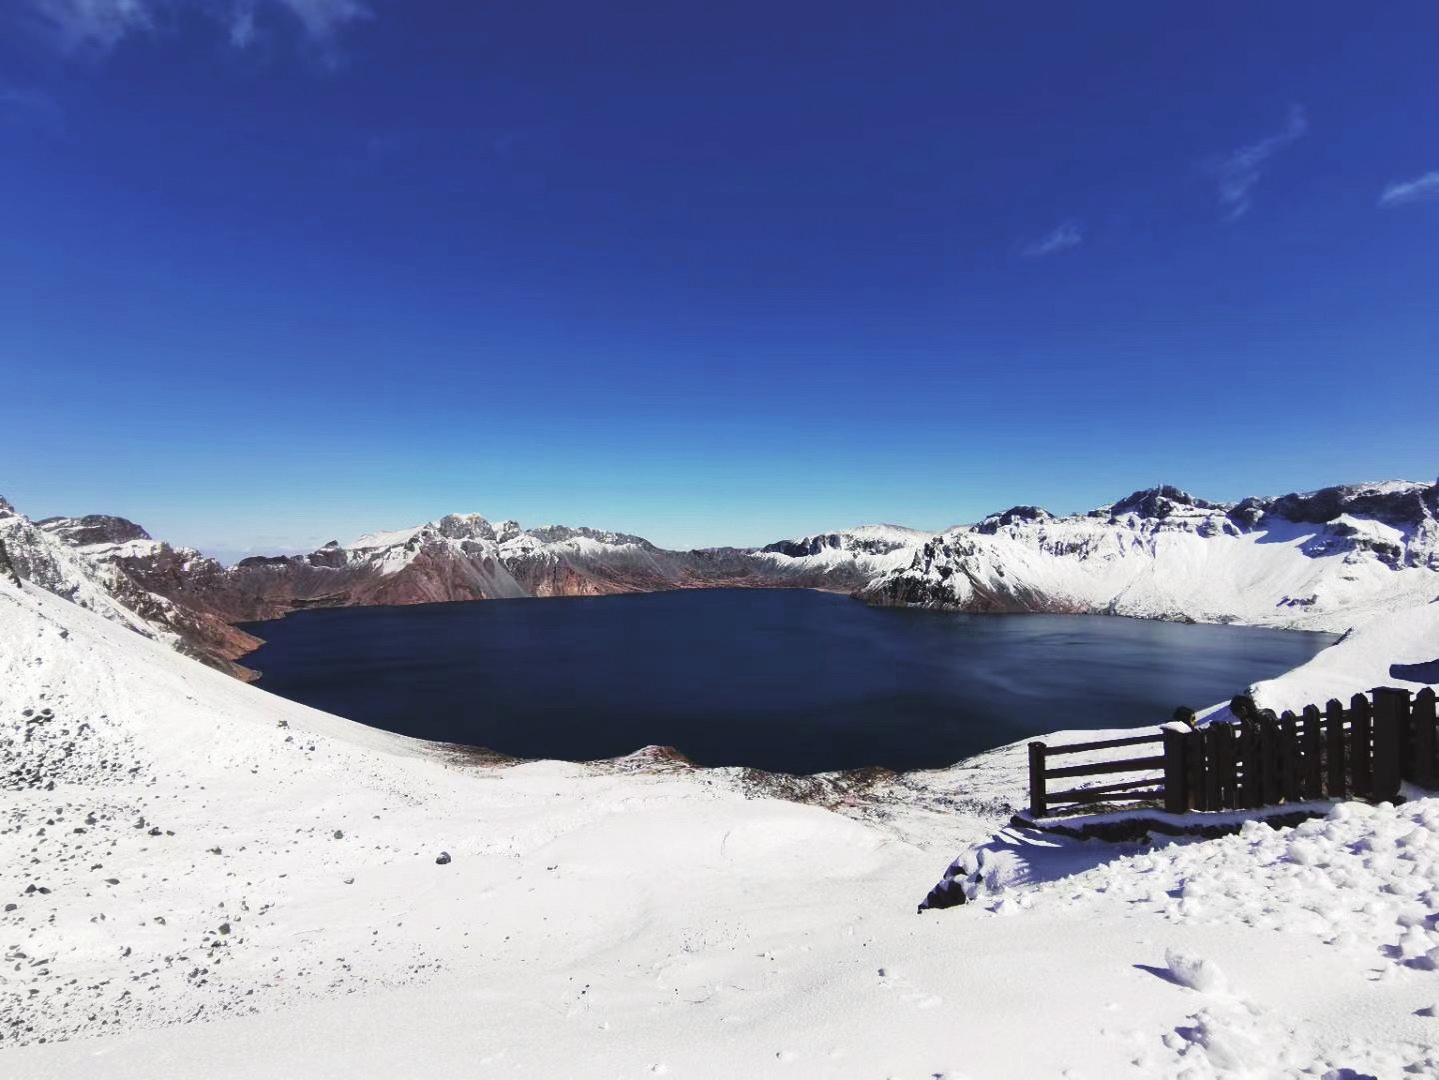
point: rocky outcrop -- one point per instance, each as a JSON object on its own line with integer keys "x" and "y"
{"x": 992, "y": 524}
{"x": 1158, "y": 503}
{"x": 8, "y": 572}
{"x": 94, "y": 530}
{"x": 1398, "y": 504}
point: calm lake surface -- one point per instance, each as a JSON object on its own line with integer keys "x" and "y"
{"x": 789, "y": 680}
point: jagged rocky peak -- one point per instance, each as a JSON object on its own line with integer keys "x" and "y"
{"x": 860, "y": 540}
{"x": 464, "y": 527}
{"x": 1248, "y": 513}
{"x": 331, "y": 555}
{"x": 267, "y": 560}
{"x": 1015, "y": 514}
{"x": 558, "y": 534}
{"x": 805, "y": 546}
{"x": 1160, "y": 502}
{"x": 94, "y": 529}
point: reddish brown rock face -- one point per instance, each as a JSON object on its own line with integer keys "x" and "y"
{"x": 461, "y": 557}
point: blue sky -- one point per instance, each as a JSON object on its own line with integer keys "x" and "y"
{"x": 282, "y": 271}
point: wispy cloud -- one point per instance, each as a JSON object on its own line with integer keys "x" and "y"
{"x": 100, "y": 25}
{"x": 1408, "y": 191}
{"x": 1239, "y": 171}
{"x": 1063, "y": 238}
{"x": 97, "y": 24}
{"x": 242, "y": 24}
{"x": 322, "y": 18}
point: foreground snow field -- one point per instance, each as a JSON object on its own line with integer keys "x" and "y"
{"x": 224, "y": 884}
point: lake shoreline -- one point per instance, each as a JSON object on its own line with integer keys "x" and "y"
{"x": 788, "y": 682}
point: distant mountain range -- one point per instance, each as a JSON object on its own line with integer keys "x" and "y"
{"x": 1319, "y": 560}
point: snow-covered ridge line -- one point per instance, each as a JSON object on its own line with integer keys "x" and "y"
{"x": 1322, "y": 560}
{"x": 460, "y": 557}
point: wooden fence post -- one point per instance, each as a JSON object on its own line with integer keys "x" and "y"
{"x": 1361, "y": 753}
{"x": 1269, "y": 791}
{"x": 1195, "y": 763}
{"x": 1391, "y": 723}
{"x": 1037, "y": 805}
{"x": 1251, "y": 792}
{"x": 1335, "y": 745}
{"x": 1313, "y": 753}
{"x": 1289, "y": 769}
{"x": 1425, "y": 771}
{"x": 1176, "y": 772}
{"x": 1226, "y": 765}
{"x": 1208, "y": 743}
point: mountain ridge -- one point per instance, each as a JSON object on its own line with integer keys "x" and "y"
{"x": 1304, "y": 560}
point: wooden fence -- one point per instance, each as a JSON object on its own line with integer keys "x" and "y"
{"x": 1364, "y": 751}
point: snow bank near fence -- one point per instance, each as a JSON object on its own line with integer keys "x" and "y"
{"x": 1359, "y": 661}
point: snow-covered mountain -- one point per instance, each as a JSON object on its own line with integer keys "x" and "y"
{"x": 88, "y": 561}
{"x": 1322, "y": 560}
{"x": 466, "y": 557}
{"x": 114, "y": 566}
{"x": 866, "y": 551}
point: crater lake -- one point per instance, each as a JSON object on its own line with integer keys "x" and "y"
{"x": 785, "y": 680}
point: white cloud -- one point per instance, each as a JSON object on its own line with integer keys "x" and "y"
{"x": 1238, "y": 172}
{"x": 242, "y": 24}
{"x": 323, "y": 17}
{"x": 1066, "y": 236}
{"x": 101, "y": 25}
{"x": 1408, "y": 191}
{"x": 98, "y": 24}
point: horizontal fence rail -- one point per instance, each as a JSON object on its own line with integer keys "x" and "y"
{"x": 1040, "y": 800}
{"x": 1364, "y": 751}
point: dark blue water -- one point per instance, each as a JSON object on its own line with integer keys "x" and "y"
{"x": 789, "y": 680}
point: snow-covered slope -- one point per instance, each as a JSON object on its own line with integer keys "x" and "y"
{"x": 1326, "y": 560}
{"x": 204, "y": 880}
{"x": 1388, "y": 650}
